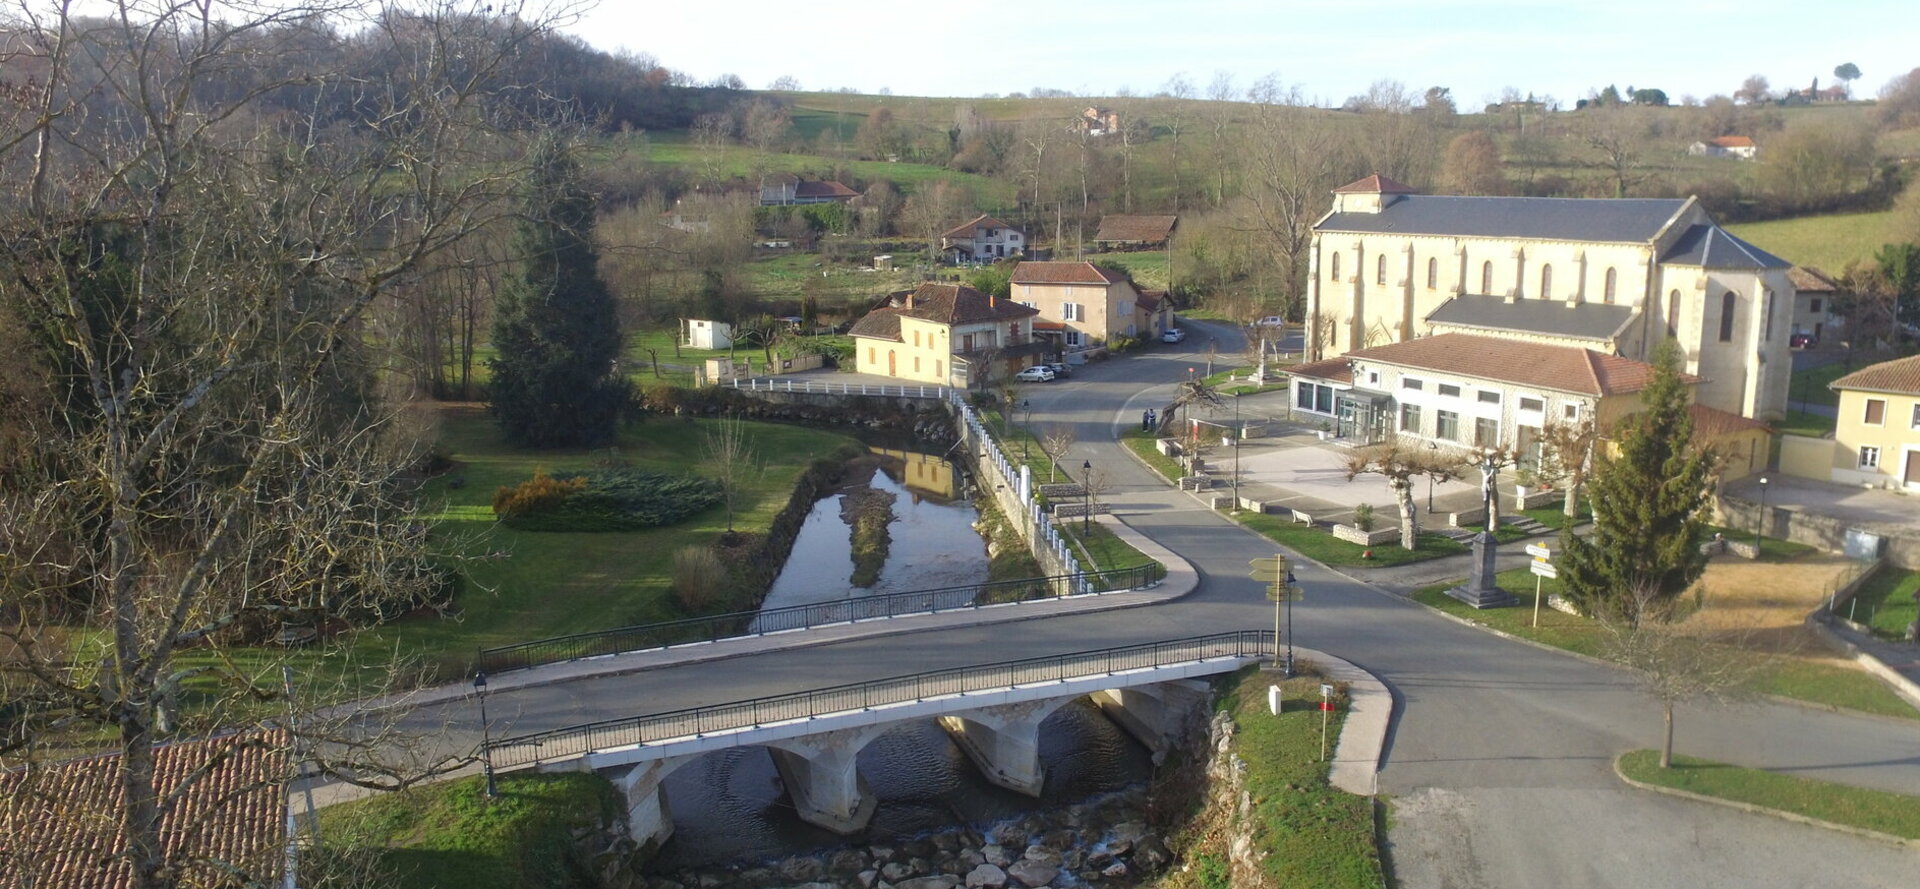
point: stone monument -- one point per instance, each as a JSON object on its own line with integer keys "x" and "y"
{"x": 1480, "y": 591}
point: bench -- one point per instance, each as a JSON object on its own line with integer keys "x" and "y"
{"x": 1301, "y": 517}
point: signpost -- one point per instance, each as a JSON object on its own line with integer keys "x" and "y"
{"x": 1279, "y": 575}
{"x": 1326, "y": 707}
{"x": 1541, "y": 569}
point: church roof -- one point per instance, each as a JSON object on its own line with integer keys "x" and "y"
{"x": 1587, "y": 321}
{"x": 1712, "y": 247}
{"x": 1562, "y": 368}
{"x": 1619, "y": 220}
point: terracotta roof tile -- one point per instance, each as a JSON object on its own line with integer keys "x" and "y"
{"x": 881, "y": 324}
{"x": 1063, "y": 273}
{"x": 948, "y": 304}
{"x": 1731, "y": 141}
{"x": 1900, "y": 376}
{"x": 59, "y": 825}
{"x": 1564, "y": 368}
{"x": 1337, "y": 370}
{"x": 1144, "y": 229}
{"x": 1710, "y": 423}
{"x": 965, "y": 229}
{"x": 1810, "y": 279}
{"x": 1374, "y": 184}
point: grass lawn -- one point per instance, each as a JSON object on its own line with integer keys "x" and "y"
{"x": 1885, "y": 602}
{"x": 1099, "y": 548}
{"x": 1788, "y": 677}
{"x": 450, "y": 834}
{"x": 1803, "y": 423}
{"x": 1148, "y": 267}
{"x": 1829, "y": 242}
{"x": 1771, "y": 549}
{"x": 1876, "y": 810}
{"x": 1305, "y": 832}
{"x": 1810, "y": 385}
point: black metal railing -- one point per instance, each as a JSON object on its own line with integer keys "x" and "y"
{"x": 799, "y": 617}
{"x": 565, "y": 743}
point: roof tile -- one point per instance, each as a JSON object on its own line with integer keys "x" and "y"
{"x": 1562, "y": 368}
{"x": 1144, "y": 229}
{"x": 1900, "y": 376}
{"x": 1063, "y": 273}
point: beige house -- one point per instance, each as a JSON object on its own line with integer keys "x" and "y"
{"x": 1876, "y": 439}
{"x": 982, "y": 238}
{"x": 946, "y": 334}
{"x": 1814, "y": 315}
{"x": 1616, "y": 276}
{"x": 1084, "y": 307}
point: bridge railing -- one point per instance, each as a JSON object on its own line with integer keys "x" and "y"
{"x": 566, "y": 743}
{"x": 799, "y": 617}
{"x": 761, "y": 384}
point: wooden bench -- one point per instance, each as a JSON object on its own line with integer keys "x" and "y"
{"x": 1301, "y": 517}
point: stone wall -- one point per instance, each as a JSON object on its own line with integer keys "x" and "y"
{"x": 1900, "y": 543}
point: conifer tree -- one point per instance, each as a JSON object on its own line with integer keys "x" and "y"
{"x": 555, "y": 329}
{"x": 1647, "y": 502}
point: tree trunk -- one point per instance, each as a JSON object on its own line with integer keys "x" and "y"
{"x": 1409, "y": 515}
{"x": 1666, "y": 745}
{"x": 1572, "y": 510}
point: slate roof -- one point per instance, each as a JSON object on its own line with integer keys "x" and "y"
{"x": 1626, "y": 220}
{"x": 1562, "y": 368}
{"x": 1810, "y": 279}
{"x": 948, "y": 304}
{"x": 1588, "y": 321}
{"x": 1900, "y": 376}
{"x": 1145, "y": 229}
{"x": 965, "y": 229}
{"x": 59, "y": 825}
{"x": 1063, "y": 273}
{"x": 1713, "y": 247}
{"x": 1374, "y": 184}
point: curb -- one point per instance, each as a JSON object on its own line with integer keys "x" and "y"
{"x": 1756, "y": 809}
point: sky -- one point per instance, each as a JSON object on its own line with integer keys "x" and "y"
{"x": 1329, "y": 49}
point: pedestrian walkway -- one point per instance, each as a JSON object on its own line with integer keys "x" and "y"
{"x": 1899, "y": 660}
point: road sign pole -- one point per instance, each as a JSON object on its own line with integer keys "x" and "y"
{"x": 1286, "y": 592}
{"x": 1537, "y": 581}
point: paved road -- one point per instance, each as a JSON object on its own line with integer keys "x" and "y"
{"x": 1499, "y": 763}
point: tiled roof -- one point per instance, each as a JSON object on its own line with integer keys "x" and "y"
{"x": 1712, "y": 247}
{"x": 59, "y": 824}
{"x": 1336, "y": 370}
{"x": 1145, "y": 229}
{"x": 947, "y": 304}
{"x": 880, "y": 324}
{"x": 1627, "y": 221}
{"x": 1731, "y": 141}
{"x": 1150, "y": 299}
{"x": 1810, "y": 279}
{"x": 827, "y": 188}
{"x": 965, "y": 229}
{"x": 1063, "y": 273}
{"x": 1562, "y": 368}
{"x": 1374, "y": 184}
{"x": 1589, "y": 321}
{"x": 1900, "y": 376}
{"x": 1710, "y": 423}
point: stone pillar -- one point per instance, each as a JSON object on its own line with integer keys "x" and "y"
{"x": 1004, "y": 741}
{"x": 1152, "y": 714}
{"x": 649, "y": 820}
{"x": 820, "y": 775}
{"x": 1480, "y": 590}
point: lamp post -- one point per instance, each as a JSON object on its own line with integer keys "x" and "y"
{"x": 1435, "y": 448}
{"x": 1026, "y": 423}
{"x": 1238, "y": 434}
{"x": 1086, "y": 496}
{"x": 1760, "y": 524}
{"x": 486, "y": 739}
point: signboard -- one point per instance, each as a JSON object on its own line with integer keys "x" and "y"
{"x": 1293, "y": 595}
{"x": 1538, "y": 550}
{"x": 1545, "y": 568}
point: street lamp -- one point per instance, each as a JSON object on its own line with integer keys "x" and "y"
{"x": 1435, "y": 448}
{"x": 1238, "y": 434}
{"x": 1086, "y": 497}
{"x": 1760, "y": 524}
{"x": 1026, "y": 423}
{"x": 486, "y": 739}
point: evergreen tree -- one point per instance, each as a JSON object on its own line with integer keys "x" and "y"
{"x": 555, "y": 329}
{"x": 1647, "y": 502}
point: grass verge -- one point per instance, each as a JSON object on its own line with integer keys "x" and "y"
{"x": 450, "y": 834}
{"x": 1803, "y": 423}
{"x": 1788, "y": 677}
{"x": 1772, "y": 549}
{"x": 1875, "y": 810}
{"x": 1885, "y": 603}
{"x": 1100, "y": 548}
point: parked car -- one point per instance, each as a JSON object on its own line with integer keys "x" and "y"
{"x": 1059, "y": 369}
{"x": 1038, "y": 373}
{"x": 1271, "y": 321}
{"x": 1802, "y": 341}
{"x": 1173, "y": 335}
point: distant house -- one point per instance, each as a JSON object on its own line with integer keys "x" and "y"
{"x": 1135, "y": 231}
{"x": 1725, "y": 146}
{"x": 1083, "y": 306}
{"x": 787, "y": 191}
{"x": 698, "y": 333}
{"x": 982, "y": 238}
{"x": 223, "y": 819}
{"x": 948, "y": 335}
{"x": 1813, "y": 309}
{"x": 687, "y": 219}
{"x": 1097, "y": 121}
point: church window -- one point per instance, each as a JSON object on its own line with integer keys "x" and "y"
{"x": 1613, "y": 280}
{"x": 1486, "y": 277}
{"x": 1336, "y": 268}
{"x": 1380, "y": 270}
{"x": 1673, "y": 313}
{"x": 1726, "y": 317}
{"x": 1433, "y": 273}
{"x": 1546, "y": 282}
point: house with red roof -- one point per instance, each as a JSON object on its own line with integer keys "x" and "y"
{"x": 946, "y": 335}
{"x": 789, "y": 190}
{"x": 1084, "y": 307}
{"x": 1741, "y": 147}
{"x": 1876, "y": 436}
{"x": 983, "y": 238}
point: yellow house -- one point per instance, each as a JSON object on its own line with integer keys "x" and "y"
{"x": 1088, "y": 306}
{"x": 945, "y": 334}
{"x": 1876, "y": 439}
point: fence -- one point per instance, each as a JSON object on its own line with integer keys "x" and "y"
{"x": 640, "y": 730}
{"x": 1013, "y": 493}
{"x": 819, "y": 388}
{"x": 799, "y": 617}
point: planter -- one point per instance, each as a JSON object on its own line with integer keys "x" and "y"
{"x": 1376, "y": 537}
{"x": 1535, "y": 498}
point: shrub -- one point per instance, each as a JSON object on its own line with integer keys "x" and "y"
{"x": 1363, "y": 517}
{"x": 541, "y": 494}
{"x": 699, "y": 579}
{"x": 614, "y": 498}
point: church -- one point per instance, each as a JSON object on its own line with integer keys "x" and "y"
{"x": 1597, "y": 280}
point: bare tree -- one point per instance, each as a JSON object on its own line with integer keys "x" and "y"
{"x": 1676, "y": 667}
{"x": 931, "y": 210}
{"x": 218, "y": 464}
{"x": 1401, "y": 461}
{"x": 1055, "y": 442}
{"x": 731, "y": 460}
{"x": 1294, "y": 159}
{"x": 1567, "y": 451}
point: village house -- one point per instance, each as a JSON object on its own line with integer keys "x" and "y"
{"x": 982, "y": 238}
{"x": 1741, "y": 147}
{"x": 1084, "y": 307}
{"x": 789, "y": 191}
{"x": 948, "y": 335}
{"x": 1814, "y": 314}
{"x": 1876, "y": 436}
{"x": 1097, "y": 121}
{"x": 1614, "y": 276}
{"x": 1127, "y": 232}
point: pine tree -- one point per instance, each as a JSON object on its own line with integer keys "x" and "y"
{"x": 555, "y": 329}
{"x": 1647, "y": 502}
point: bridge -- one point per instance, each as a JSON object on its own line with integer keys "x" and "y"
{"x": 992, "y": 711}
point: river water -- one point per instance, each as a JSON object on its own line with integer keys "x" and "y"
{"x": 730, "y": 806}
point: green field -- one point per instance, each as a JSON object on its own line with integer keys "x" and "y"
{"x": 1885, "y": 602}
{"x": 1827, "y": 242}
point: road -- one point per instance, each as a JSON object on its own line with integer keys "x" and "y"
{"x": 1499, "y": 762}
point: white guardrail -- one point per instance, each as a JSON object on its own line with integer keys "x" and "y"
{"x": 819, "y": 388}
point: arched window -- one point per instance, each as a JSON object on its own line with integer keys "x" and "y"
{"x": 1336, "y": 268}
{"x": 1433, "y": 273}
{"x": 1546, "y": 282}
{"x": 1486, "y": 277}
{"x": 1613, "y": 280}
{"x": 1726, "y": 317}
{"x": 1380, "y": 270}
{"x": 1673, "y": 313}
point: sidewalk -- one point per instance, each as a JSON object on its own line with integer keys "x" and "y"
{"x": 1895, "y": 663}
